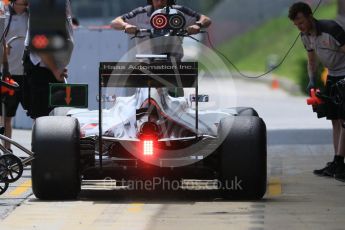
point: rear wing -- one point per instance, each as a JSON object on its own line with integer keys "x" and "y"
{"x": 158, "y": 74}
{"x": 144, "y": 75}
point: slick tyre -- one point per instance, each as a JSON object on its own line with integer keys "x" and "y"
{"x": 55, "y": 169}
{"x": 60, "y": 111}
{"x": 246, "y": 111}
{"x": 243, "y": 157}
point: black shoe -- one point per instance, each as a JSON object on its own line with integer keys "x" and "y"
{"x": 340, "y": 176}
{"x": 320, "y": 172}
{"x": 336, "y": 168}
{"x": 330, "y": 170}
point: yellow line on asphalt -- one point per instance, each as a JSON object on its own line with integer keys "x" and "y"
{"x": 274, "y": 186}
{"x": 135, "y": 207}
{"x": 21, "y": 189}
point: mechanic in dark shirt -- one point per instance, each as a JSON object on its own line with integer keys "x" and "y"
{"x": 324, "y": 40}
{"x": 139, "y": 18}
{"x": 42, "y": 68}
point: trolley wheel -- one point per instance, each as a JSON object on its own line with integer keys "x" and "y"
{"x": 3, "y": 187}
{"x": 11, "y": 168}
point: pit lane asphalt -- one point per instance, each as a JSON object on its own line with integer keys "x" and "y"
{"x": 295, "y": 199}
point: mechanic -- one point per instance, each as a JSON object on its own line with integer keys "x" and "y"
{"x": 42, "y": 68}
{"x": 16, "y": 24}
{"x": 324, "y": 40}
{"x": 139, "y": 18}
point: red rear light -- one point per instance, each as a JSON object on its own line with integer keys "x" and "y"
{"x": 148, "y": 147}
{"x": 149, "y": 135}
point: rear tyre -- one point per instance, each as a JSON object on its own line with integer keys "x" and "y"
{"x": 60, "y": 111}
{"x": 246, "y": 111}
{"x": 55, "y": 169}
{"x": 243, "y": 157}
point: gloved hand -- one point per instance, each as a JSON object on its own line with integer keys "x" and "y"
{"x": 311, "y": 85}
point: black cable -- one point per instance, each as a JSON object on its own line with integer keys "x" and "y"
{"x": 261, "y": 75}
{"x": 267, "y": 72}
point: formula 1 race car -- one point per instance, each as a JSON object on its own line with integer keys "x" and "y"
{"x": 153, "y": 133}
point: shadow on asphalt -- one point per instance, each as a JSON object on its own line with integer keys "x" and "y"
{"x": 123, "y": 196}
{"x": 153, "y": 197}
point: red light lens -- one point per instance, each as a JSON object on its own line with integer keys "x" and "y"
{"x": 159, "y": 21}
{"x": 40, "y": 41}
{"x": 148, "y": 147}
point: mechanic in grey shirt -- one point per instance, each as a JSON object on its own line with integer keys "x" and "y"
{"x": 324, "y": 40}
{"x": 139, "y": 18}
{"x": 44, "y": 68}
{"x": 16, "y": 24}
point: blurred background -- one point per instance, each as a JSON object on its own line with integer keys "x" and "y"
{"x": 253, "y": 34}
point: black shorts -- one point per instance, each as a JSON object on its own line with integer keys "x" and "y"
{"x": 21, "y": 96}
{"x": 334, "y": 109}
{"x": 39, "y": 79}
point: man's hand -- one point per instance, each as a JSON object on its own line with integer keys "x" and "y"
{"x": 130, "y": 29}
{"x": 311, "y": 85}
{"x": 60, "y": 75}
{"x": 194, "y": 29}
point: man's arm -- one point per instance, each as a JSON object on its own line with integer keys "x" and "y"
{"x": 49, "y": 61}
{"x": 119, "y": 24}
{"x": 312, "y": 70}
{"x": 204, "y": 21}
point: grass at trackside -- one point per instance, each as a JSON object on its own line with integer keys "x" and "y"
{"x": 250, "y": 50}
